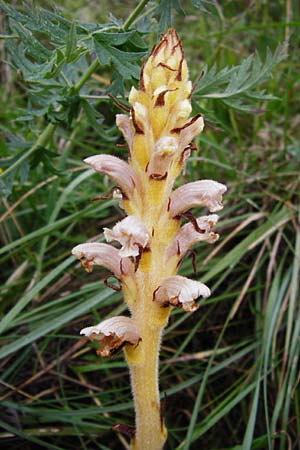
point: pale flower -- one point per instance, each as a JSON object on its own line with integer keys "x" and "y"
{"x": 98, "y": 254}
{"x": 131, "y": 233}
{"x": 189, "y": 130}
{"x": 180, "y": 292}
{"x": 189, "y": 234}
{"x": 117, "y": 169}
{"x": 112, "y": 334}
{"x": 198, "y": 193}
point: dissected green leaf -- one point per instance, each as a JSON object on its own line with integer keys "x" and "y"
{"x": 236, "y": 85}
{"x": 164, "y": 12}
{"x": 121, "y": 60}
{"x": 71, "y": 43}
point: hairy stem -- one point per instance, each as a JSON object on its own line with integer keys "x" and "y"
{"x": 150, "y": 431}
{"x": 150, "y": 319}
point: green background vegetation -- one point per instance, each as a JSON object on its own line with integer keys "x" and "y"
{"x": 230, "y": 371}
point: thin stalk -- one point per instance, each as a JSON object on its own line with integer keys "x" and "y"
{"x": 9, "y": 36}
{"x": 89, "y": 72}
{"x": 42, "y": 140}
{"x": 135, "y": 13}
{"x": 150, "y": 431}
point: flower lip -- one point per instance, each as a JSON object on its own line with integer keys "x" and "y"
{"x": 117, "y": 169}
{"x": 113, "y": 334}
{"x": 198, "y": 193}
{"x": 180, "y": 292}
{"x": 131, "y": 233}
{"x": 98, "y": 254}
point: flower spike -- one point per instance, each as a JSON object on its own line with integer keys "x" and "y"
{"x": 159, "y": 132}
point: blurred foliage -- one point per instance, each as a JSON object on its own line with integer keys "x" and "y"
{"x": 230, "y": 371}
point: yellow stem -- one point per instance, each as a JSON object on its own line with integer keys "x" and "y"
{"x": 150, "y": 319}
{"x": 150, "y": 431}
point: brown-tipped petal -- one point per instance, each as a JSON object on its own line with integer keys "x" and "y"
{"x": 112, "y": 334}
{"x": 193, "y": 127}
{"x": 199, "y": 193}
{"x": 115, "y": 168}
{"x": 166, "y": 64}
{"x": 192, "y": 233}
{"x": 163, "y": 153}
{"x": 180, "y": 292}
{"x": 139, "y": 115}
{"x": 131, "y": 233}
{"x": 97, "y": 254}
{"x": 124, "y": 124}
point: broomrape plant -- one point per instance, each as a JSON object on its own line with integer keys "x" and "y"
{"x": 159, "y": 134}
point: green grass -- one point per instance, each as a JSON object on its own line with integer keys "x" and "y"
{"x": 230, "y": 371}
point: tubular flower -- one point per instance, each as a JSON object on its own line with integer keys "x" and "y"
{"x": 180, "y": 292}
{"x": 117, "y": 169}
{"x": 158, "y": 132}
{"x": 131, "y": 233}
{"x": 191, "y": 233}
{"x": 112, "y": 334}
{"x": 199, "y": 193}
{"x": 96, "y": 254}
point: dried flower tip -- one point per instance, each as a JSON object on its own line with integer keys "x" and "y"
{"x": 112, "y": 334}
{"x": 117, "y": 169}
{"x": 97, "y": 254}
{"x": 124, "y": 124}
{"x": 199, "y": 193}
{"x": 131, "y": 233}
{"x": 163, "y": 153}
{"x": 168, "y": 56}
{"x": 180, "y": 292}
{"x": 191, "y": 233}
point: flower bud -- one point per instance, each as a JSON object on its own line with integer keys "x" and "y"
{"x": 163, "y": 153}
